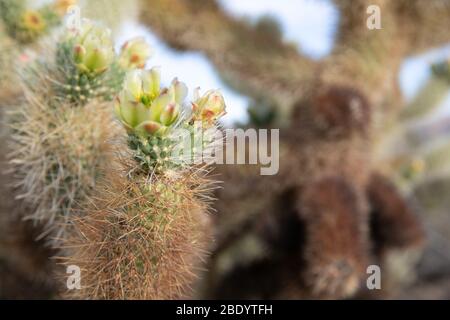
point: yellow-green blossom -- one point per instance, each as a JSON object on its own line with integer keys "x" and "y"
{"x": 143, "y": 107}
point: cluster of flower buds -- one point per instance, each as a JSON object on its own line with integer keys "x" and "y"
{"x": 93, "y": 50}
{"x": 134, "y": 54}
{"x": 146, "y": 109}
{"x": 90, "y": 66}
{"x": 157, "y": 124}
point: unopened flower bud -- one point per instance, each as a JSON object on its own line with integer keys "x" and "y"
{"x": 150, "y": 128}
{"x": 93, "y": 48}
{"x": 134, "y": 54}
{"x": 79, "y": 52}
{"x": 209, "y": 107}
{"x": 169, "y": 114}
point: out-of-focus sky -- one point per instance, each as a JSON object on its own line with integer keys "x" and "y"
{"x": 308, "y": 23}
{"x": 311, "y": 24}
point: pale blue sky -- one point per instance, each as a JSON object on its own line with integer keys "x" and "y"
{"x": 308, "y": 23}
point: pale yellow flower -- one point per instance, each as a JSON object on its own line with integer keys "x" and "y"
{"x": 146, "y": 109}
{"x": 33, "y": 21}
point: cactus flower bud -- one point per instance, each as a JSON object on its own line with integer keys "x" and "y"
{"x": 93, "y": 48}
{"x": 169, "y": 114}
{"x": 79, "y": 52}
{"x": 178, "y": 90}
{"x": 209, "y": 107}
{"x": 151, "y": 128}
{"x": 134, "y": 54}
{"x": 143, "y": 107}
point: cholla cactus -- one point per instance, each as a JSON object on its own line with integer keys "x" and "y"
{"x": 147, "y": 232}
{"x": 60, "y": 133}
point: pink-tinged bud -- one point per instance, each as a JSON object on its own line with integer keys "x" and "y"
{"x": 79, "y": 53}
{"x": 134, "y": 54}
{"x": 169, "y": 114}
{"x": 208, "y": 114}
{"x": 209, "y": 107}
{"x": 150, "y": 128}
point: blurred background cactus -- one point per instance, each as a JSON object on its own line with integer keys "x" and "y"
{"x": 364, "y": 159}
